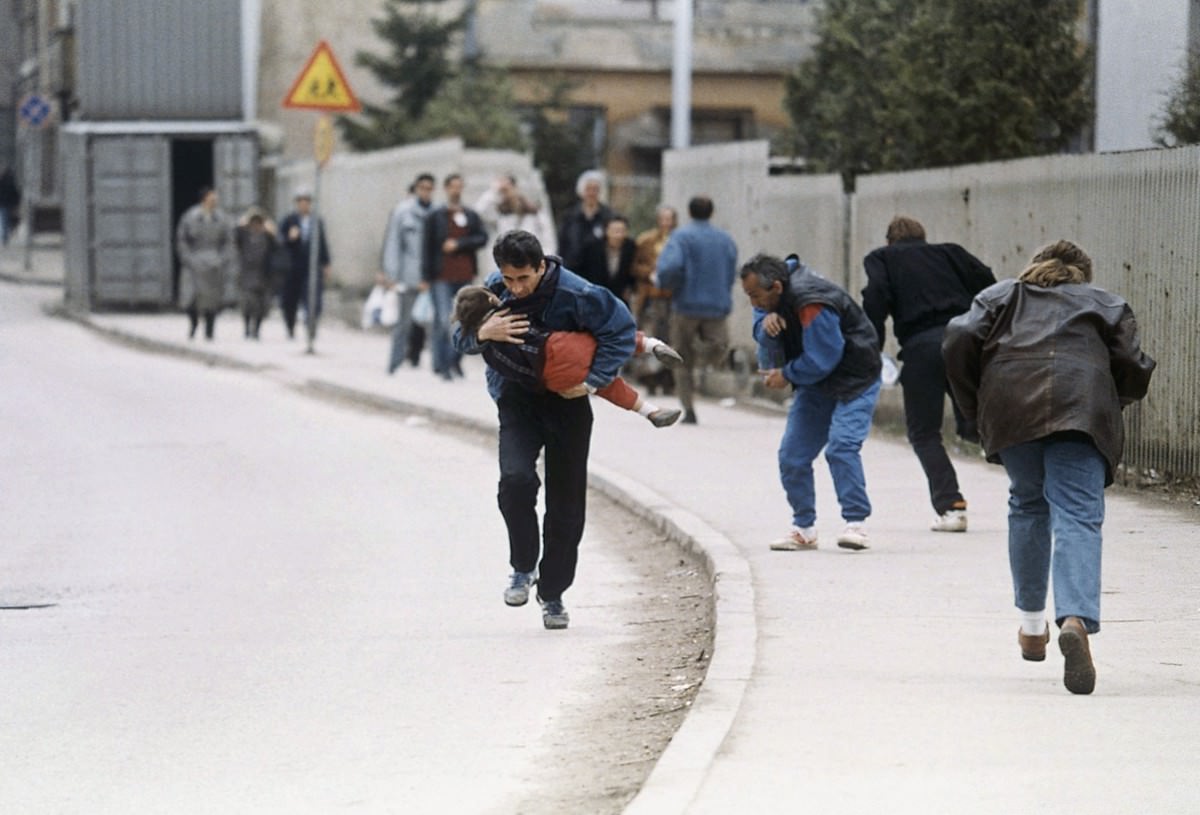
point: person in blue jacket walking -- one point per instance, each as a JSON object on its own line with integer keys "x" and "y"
{"x": 699, "y": 267}
{"x": 826, "y": 350}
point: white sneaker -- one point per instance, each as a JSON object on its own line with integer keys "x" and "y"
{"x": 953, "y": 520}
{"x": 854, "y": 536}
{"x": 798, "y": 540}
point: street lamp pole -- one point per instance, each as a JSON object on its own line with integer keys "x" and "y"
{"x": 681, "y": 77}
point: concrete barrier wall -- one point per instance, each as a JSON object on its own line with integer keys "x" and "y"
{"x": 1136, "y": 214}
{"x": 778, "y": 215}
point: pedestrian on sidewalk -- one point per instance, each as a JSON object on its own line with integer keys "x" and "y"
{"x": 10, "y": 202}
{"x": 403, "y": 254}
{"x": 610, "y": 262}
{"x": 503, "y": 208}
{"x": 533, "y": 285}
{"x": 204, "y": 241}
{"x": 651, "y": 306}
{"x": 256, "y": 243}
{"x": 698, "y": 266}
{"x": 831, "y": 361}
{"x": 583, "y": 222}
{"x": 922, "y": 286}
{"x": 453, "y": 234}
{"x": 556, "y": 360}
{"x": 296, "y": 229}
{"x": 1045, "y": 364}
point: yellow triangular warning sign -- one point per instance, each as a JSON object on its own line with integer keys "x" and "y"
{"x": 322, "y": 85}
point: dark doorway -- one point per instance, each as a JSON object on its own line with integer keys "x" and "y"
{"x": 191, "y": 170}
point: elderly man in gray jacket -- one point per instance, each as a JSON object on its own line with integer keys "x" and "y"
{"x": 402, "y": 247}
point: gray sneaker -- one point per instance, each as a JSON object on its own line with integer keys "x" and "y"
{"x": 667, "y": 355}
{"x": 554, "y": 616}
{"x": 665, "y": 417}
{"x": 519, "y": 583}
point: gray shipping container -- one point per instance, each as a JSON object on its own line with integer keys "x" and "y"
{"x": 125, "y": 185}
{"x": 159, "y": 59}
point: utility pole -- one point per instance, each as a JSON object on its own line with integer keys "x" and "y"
{"x": 681, "y": 77}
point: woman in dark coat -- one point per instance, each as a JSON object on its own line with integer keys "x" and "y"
{"x": 609, "y": 263}
{"x": 1045, "y": 363}
{"x": 256, "y": 244}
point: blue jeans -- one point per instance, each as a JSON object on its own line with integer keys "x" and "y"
{"x": 445, "y": 358}
{"x": 1055, "y": 511}
{"x": 402, "y": 329}
{"x": 817, "y": 421}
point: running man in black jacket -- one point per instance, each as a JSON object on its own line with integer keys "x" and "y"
{"x": 922, "y": 286}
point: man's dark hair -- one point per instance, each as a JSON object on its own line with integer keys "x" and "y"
{"x": 472, "y": 304}
{"x": 768, "y": 268}
{"x": 452, "y": 177}
{"x": 700, "y": 208}
{"x": 203, "y": 192}
{"x": 617, "y": 217}
{"x": 517, "y": 248}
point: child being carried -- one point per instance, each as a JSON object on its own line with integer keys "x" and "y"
{"x": 558, "y": 360}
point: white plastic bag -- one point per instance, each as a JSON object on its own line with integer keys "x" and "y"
{"x": 389, "y": 311}
{"x": 372, "y": 308}
{"x": 422, "y": 312}
{"x": 891, "y": 371}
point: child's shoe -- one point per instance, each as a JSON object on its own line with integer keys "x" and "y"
{"x": 664, "y": 353}
{"x": 664, "y": 417}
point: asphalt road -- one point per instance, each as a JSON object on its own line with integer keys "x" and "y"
{"x": 221, "y": 597}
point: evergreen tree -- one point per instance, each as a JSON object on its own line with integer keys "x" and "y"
{"x": 1180, "y": 121}
{"x": 838, "y": 99}
{"x": 903, "y": 84}
{"x": 478, "y": 107}
{"x": 431, "y": 97}
{"x": 561, "y": 149}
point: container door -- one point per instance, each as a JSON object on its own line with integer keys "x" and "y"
{"x": 131, "y": 206}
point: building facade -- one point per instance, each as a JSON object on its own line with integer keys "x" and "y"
{"x": 616, "y": 55}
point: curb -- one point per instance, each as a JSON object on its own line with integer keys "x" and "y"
{"x": 26, "y": 280}
{"x": 141, "y": 343}
{"x": 680, "y": 771}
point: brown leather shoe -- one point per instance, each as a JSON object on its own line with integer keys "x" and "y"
{"x": 1079, "y": 675}
{"x": 1033, "y": 647}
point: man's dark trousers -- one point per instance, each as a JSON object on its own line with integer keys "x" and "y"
{"x": 530, "y": 422}
{"x": 923, "y": 379}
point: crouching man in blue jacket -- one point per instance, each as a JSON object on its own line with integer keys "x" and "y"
{"x": 827, "y": 351}
{"x": 536, "y": 288}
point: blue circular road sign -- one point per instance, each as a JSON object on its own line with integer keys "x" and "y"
{"x": 34, "y": 110}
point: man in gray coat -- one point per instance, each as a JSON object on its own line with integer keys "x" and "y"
{"x": 205, "y": 245}
{"x": 402, "y": 247}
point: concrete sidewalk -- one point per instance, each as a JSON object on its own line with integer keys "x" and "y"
{"x": 887, "y": 680}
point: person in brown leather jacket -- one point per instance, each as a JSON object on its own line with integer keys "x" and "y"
{"x": 651, "y": 306}
{"x": 1045, "y": 363}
